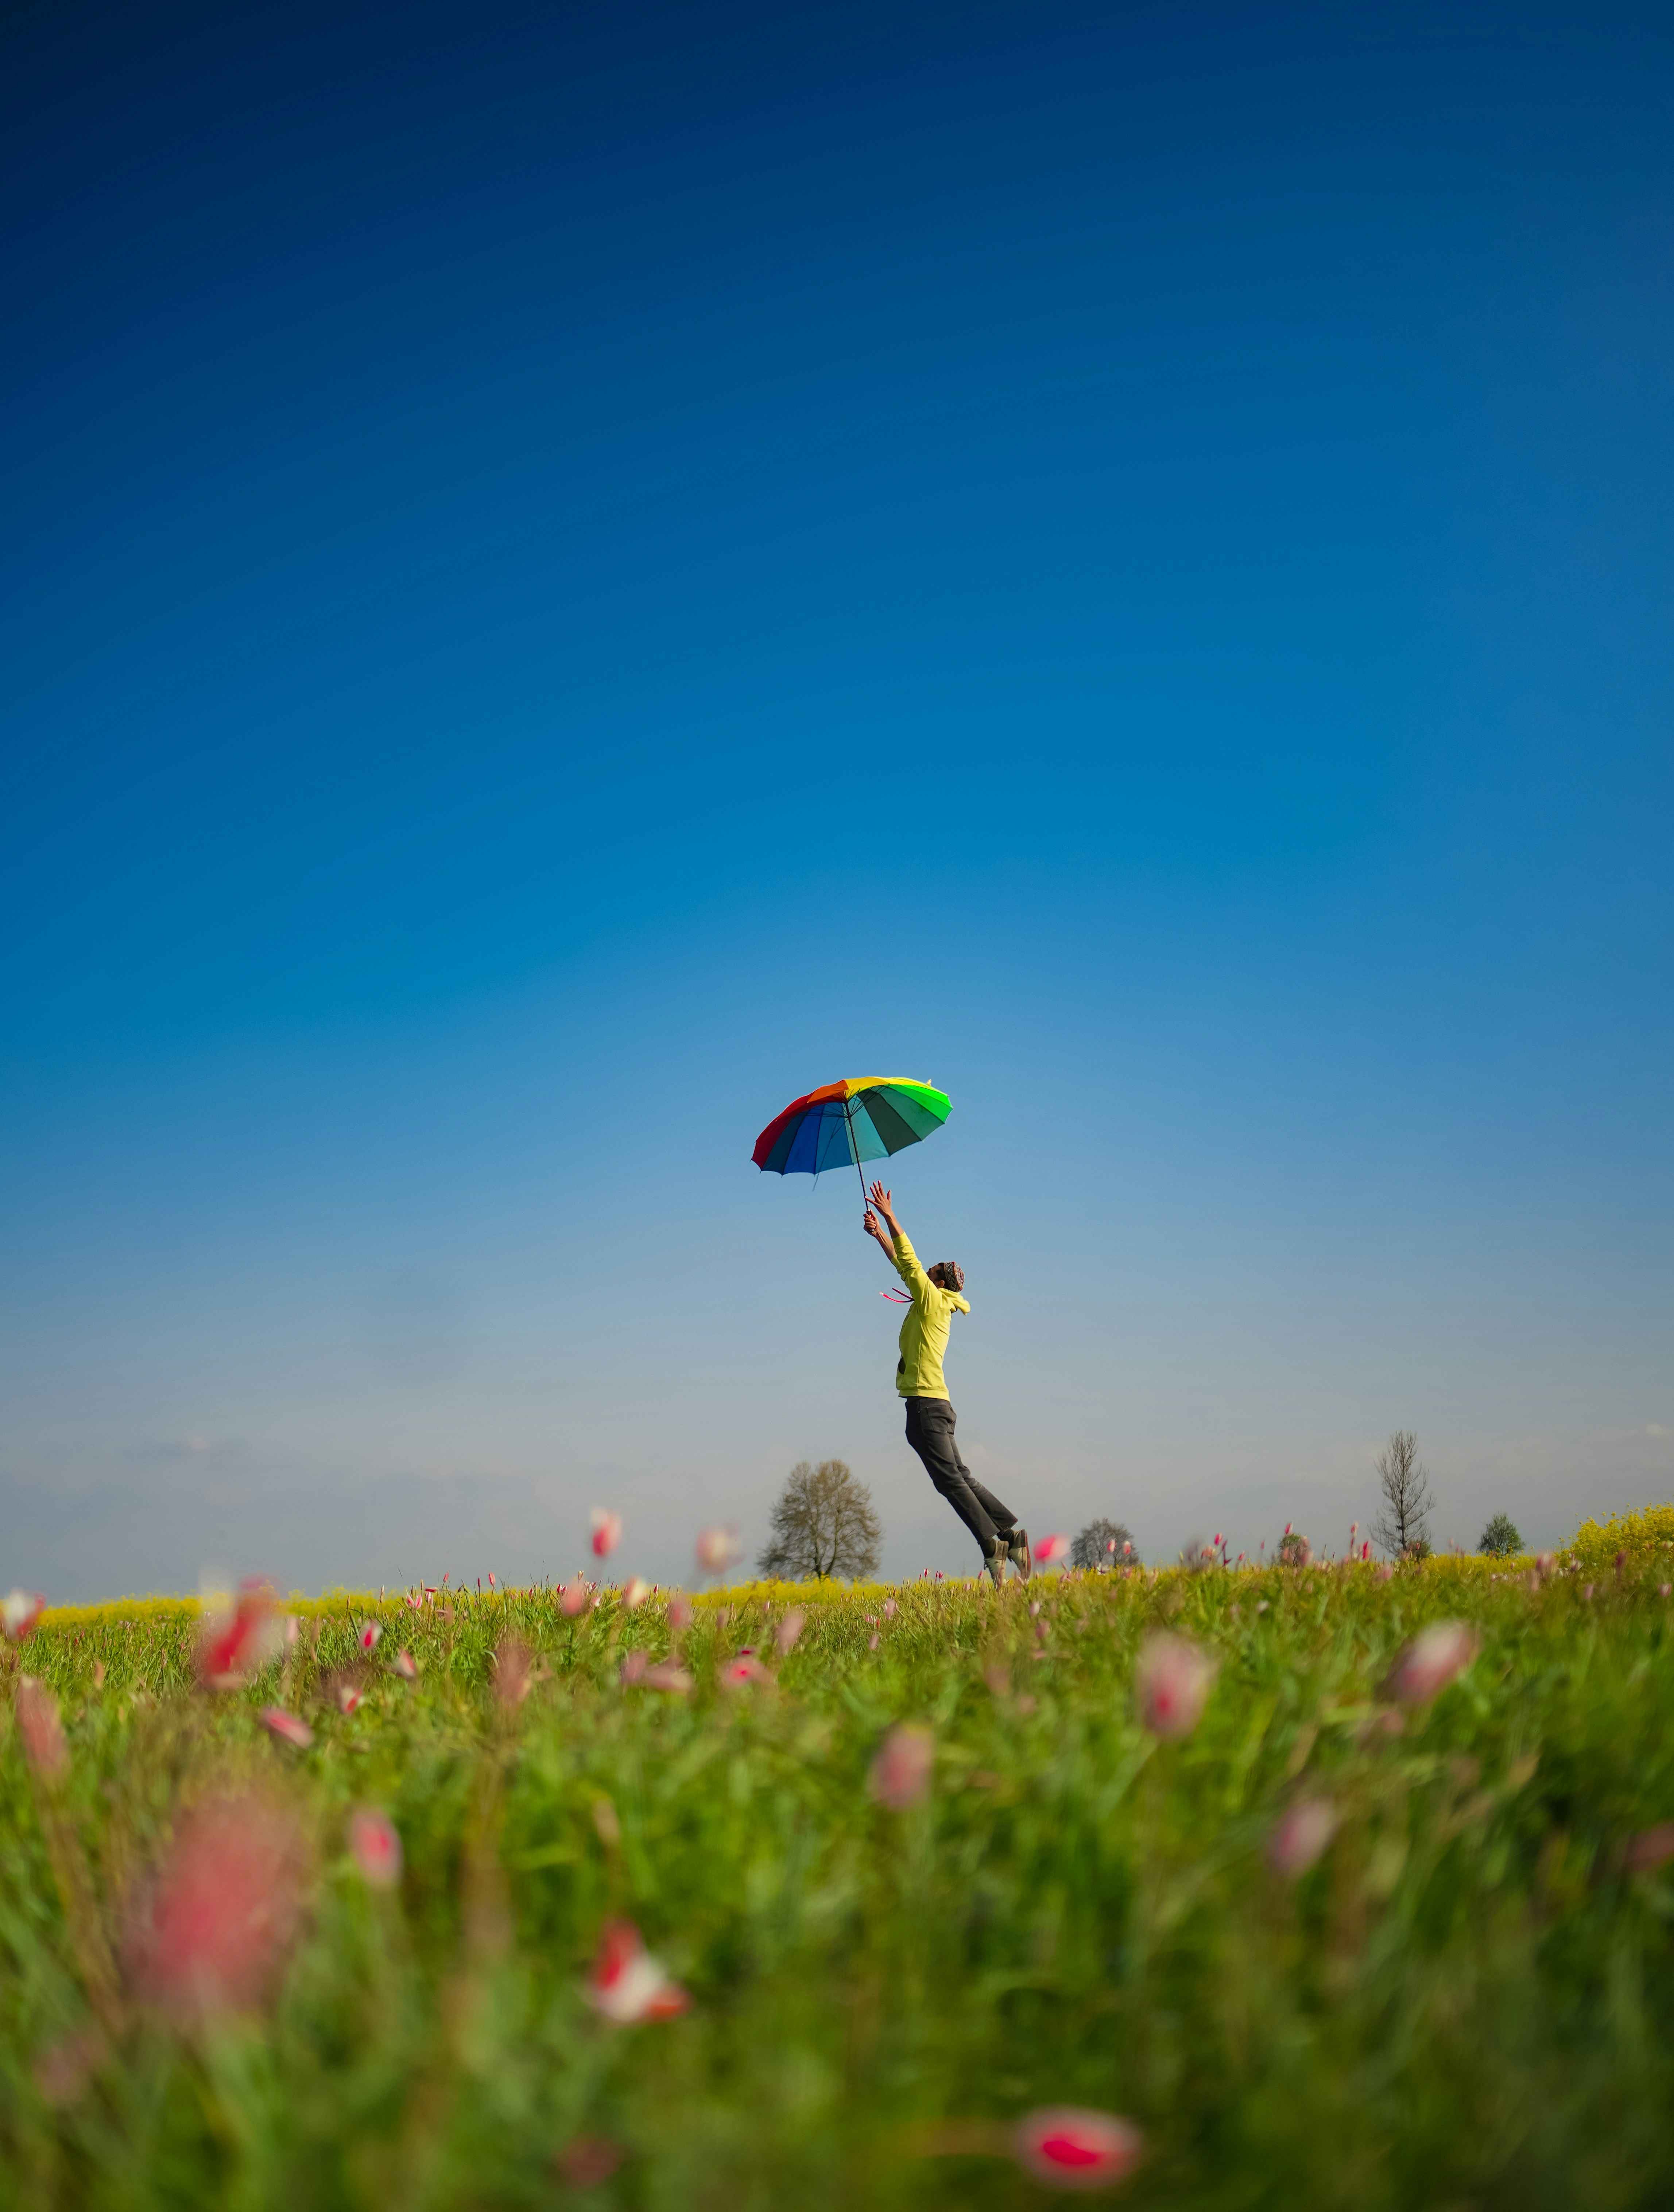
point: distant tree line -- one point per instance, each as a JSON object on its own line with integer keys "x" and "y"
{"x": 1402, "y": 1529}
{"x": 824, "y": 1522}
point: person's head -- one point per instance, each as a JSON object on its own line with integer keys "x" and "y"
{"x": 947, "y": 1275}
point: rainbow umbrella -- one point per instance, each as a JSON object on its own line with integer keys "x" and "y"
{"x": 864, "y": 1117}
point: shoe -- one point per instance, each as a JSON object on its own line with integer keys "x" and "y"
{"x": 1017, "y": 1551}
{"x": 996, "y": 1562}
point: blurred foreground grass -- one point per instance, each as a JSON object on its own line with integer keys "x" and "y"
{"x": 1465, "y": 2001}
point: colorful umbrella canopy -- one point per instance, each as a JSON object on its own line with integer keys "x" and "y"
{"x": 864, "y": 1117}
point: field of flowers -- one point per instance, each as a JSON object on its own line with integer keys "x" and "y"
{"x": 1226, "y": 1888}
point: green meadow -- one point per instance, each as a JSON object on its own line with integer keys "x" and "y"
{"x": 1330, "y": 1946}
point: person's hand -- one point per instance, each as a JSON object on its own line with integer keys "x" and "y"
{"x": 880, "y": 1199}
{"x": 869, "y": 1224}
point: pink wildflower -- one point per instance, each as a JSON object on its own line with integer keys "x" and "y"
{"x": 1652, "y": 1847}
{"x": 632, "y": 1668}
{"x": 901, "y": 1773}
{"x": 588, "y": 2161}
{"x": 513, "y": 1671}
{"x": 785, "y": 1635}
{"x": 1431, "y": 1660}
{"x": 576, "y": 1596}
{"x": 679, "y": 1613}
{"x": 1172, "y": 1681}
{"x": 871, "y": 1642}
{"x": 607, "y": 1532}
{"x": 19, "y": 1612}
{"x": 1050, "y": 1548}
{"x": 493, "y": 1584}
{"x": 42, "y": 1731}
{"x": 670, "y": 1676}
{"x": 716, "y": 1549}
{"x": 376, "y": 1846}
{"x": 405, "y": 1665}
{"x": 238, "y": 1642}
{"x": 349, "y": 1699}
{"x": 635, "y": 1591}
{"x": 287, "y": 1727}
{"x": 213, "y": 1932}
{"x": 369, "y": 1636}
{"x": 888, "y": 1608}
{"x": 64, "y": 2068}
{"x": 746, "y": 1670}
{"x": 625, "y": 1984}
{"x": 1067, "y": 2147}
{"x": 1300, "y": 1836}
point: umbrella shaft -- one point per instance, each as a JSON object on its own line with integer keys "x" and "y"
{"x": 848, "y": 1117}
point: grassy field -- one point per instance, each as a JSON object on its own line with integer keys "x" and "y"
{"x": 1339, "y": 1942}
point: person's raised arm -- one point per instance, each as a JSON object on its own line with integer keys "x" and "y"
{"x": 872, "y": 1228}
{"x": 880, "y": 1199}
{"x": 900, "y": 1246}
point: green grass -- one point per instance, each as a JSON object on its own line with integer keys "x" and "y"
{"x": 1467, "y": 2002}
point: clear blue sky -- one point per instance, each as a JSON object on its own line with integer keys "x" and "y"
{"x": 569, "y": 575}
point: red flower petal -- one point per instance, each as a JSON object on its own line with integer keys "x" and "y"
{"x": 1068, "y": 2148}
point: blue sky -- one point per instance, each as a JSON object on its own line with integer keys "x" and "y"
{"x": 565, "y": 584}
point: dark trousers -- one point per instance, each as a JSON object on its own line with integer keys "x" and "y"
{"x": 930, "y": 1427}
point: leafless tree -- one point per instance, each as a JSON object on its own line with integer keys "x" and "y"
{"x": 1405, "y": 1523}
{"x": 1100, "y": 1544}
{"x": 823, "y": 1524}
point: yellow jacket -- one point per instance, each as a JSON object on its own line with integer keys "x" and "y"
{"x": 924, "y": 1333}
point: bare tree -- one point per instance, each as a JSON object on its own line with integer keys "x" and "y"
{"x": 823, "y": 1524}
{"x": 1404, "y": 1524}
{"x": 1100, "y": 1544}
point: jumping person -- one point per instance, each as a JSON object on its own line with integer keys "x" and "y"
{"x": 937, "y": 1295}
